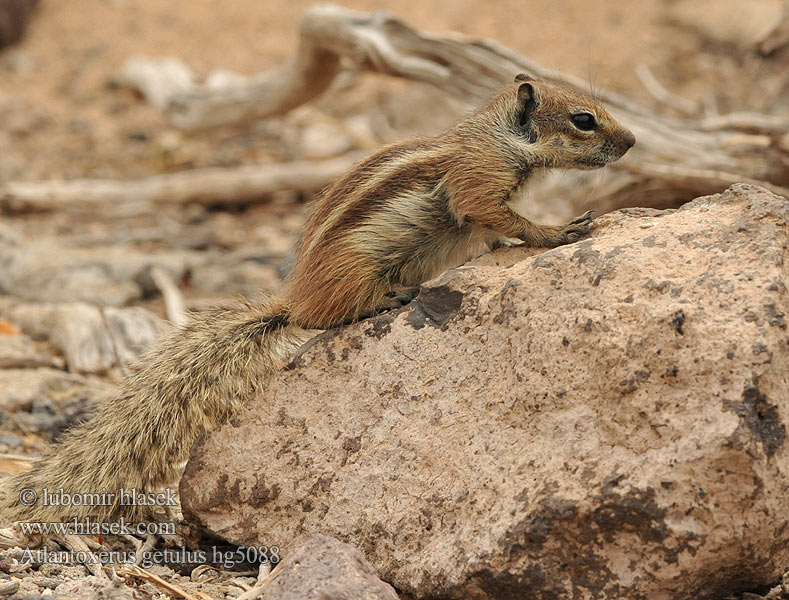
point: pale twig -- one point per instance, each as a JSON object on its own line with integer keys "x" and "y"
{"x": 12, "y": 537}
{"x": 661, "y": 94}
{"x": 76, "y": 543}
{"x": 265, "y": 576}
{"x": 677, "y": 174}
{"x": 173, "y": 298}
{"x": 247, "y": 184}
{"x": 140, "y": 573}
{"x": 746, "y": 121}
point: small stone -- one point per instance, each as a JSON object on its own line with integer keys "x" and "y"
{"x": 8, "y": 587}
{"x": 326, "y": 568}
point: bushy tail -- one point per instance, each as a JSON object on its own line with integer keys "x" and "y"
{"x": 191, "y": 382}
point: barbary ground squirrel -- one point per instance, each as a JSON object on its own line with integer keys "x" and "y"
{"x": 399, "y": 218}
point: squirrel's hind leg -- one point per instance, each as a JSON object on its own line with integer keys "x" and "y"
{"x": 396, "y": 298}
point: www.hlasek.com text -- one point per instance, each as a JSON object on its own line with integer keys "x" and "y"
{"x": 87, "y": 526}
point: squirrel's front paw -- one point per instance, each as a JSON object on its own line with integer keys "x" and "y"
{"x": 577, "y": 228}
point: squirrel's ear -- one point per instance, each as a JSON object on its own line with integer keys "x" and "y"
{"x": 523, "y": 77}
{"x": 526, "y": 93}
{"x": 528, "y": 102}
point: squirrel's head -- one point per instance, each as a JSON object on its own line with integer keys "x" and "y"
{"x": 561, "y": 127}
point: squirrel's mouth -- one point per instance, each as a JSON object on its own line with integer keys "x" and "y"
{"x": 592, "y": 163}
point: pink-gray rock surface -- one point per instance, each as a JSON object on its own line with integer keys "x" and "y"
{"x": 601, "y": 420}
{"x": 326, "y": 569}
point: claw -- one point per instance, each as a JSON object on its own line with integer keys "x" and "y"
{"x": 584, "y": 218}
{"x": 578, "y": 227}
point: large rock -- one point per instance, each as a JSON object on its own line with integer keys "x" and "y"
{"x": 602, "y": 420}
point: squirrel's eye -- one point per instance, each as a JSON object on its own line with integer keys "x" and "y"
{"x": 584, "y": 121}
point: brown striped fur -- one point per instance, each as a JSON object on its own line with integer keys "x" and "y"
{"x": 400, "y": 217}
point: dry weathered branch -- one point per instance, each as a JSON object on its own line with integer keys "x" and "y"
{"x": 379, "y": 42}
{"x": 661, "y": 94}
{"x": 746, "y": 121}
{"x": 680, "y": 175}
{"x": 265, "y": 576}
{"x": 93, "y": 339}
{"x": 472, "y": 70}
{"x": 12, "y": 537}
{"x": 139, "y": 572}
{"x": 173, "y": 299}
{"x": 211, "y": 186}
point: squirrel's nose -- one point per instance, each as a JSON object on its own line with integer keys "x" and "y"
{"x": 628, "y": 139}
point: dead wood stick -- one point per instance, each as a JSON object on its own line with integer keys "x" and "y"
{"x": 12, "y": 537}
{"x": 746, "y": 121}
{"x": 661, "y": 94}
{"x": 173, "y": 299}
{"x": 80, "y": 544}
{"x": 675, "y": 175}
{"x": 379, "y": 42}
{"x": 265, "y": 576}
{"x": 210, "y": 186}
{"x": 471, "y": 70}
{"x": 139, "y": 572}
